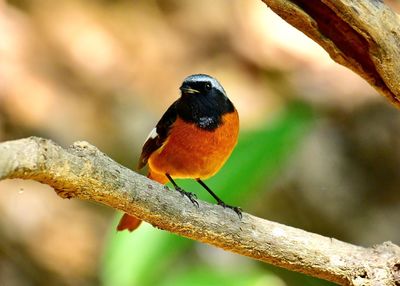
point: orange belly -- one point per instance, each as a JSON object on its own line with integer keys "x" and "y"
{"x": 191, "y": 152}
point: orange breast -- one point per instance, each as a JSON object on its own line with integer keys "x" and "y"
{"x": 191, "y": 152}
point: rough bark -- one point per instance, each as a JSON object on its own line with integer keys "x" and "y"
{"x": 363, "y": 35}
{"x": 82, "y": 171}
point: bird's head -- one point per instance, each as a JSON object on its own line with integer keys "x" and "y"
{"x": 203, "y": 101}
{"x": 202, "y": 84}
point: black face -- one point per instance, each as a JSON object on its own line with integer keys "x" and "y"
{"x": 203, "y": 101}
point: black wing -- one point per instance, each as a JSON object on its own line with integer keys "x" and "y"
{"x": 163, "y": 127}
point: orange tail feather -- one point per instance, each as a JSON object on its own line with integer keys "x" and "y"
{"x": 130, "y": 222}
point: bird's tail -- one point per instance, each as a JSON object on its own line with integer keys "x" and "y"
{"x": 130, "y": 222}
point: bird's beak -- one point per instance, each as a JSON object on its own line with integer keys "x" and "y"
{"x": 188, "y": 90}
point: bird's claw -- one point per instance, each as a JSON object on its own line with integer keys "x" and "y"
{"x": 191, "y": 196}
{"x": 237, "y": 210}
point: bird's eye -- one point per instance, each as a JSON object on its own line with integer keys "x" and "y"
{"x": 208, "y": 86}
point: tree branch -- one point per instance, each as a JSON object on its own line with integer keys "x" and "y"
{"x": 363, "y": 35}
{"x": 82, "y": 171}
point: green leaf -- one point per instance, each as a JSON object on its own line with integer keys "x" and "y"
{"x": 134, "y": 258}
{"x": 200, "y": 275}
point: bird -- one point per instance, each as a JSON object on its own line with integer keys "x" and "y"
{"x": 192, "y": 140}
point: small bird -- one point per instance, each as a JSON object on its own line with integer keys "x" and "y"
{"x": 193, "y": 139}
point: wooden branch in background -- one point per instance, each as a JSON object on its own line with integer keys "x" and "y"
{"x": 82, "y": 171}
{"x": 363, "y": 35}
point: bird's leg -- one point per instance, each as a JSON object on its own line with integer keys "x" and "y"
{"x": 219, "y": 201}
{"x": 192, "y": 197}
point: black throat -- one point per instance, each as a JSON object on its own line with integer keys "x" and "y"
{"x": 205, "y": 111}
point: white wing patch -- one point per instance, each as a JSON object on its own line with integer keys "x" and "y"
{"x": 153, "y": 134}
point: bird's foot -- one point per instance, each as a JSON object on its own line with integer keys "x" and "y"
{"x": 237, "y": 210}
{"x": 192, "y": 197}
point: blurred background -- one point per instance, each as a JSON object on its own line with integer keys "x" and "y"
{"x": 318, "y": 149}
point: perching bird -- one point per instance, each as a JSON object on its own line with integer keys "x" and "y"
{"x": 193, "y": 139}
